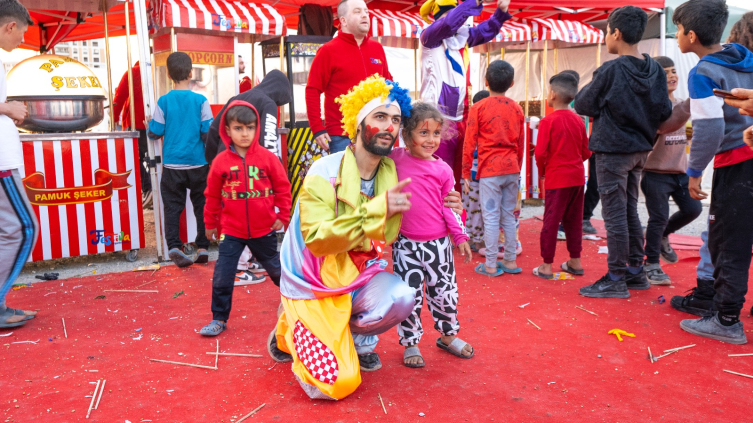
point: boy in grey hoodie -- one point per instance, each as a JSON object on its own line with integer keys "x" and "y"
{"x": 718, "y": 135}
{"x": 628, "y": 100}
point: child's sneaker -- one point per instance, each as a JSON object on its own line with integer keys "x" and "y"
{"x": 656, "y": 275}
{"x": 255, "y": 267}
{"x": 700, "y": 301}
{"x": 606, "y": 288}
{"x": 179, "y": 258}
{"x": 246, "y": 277}
{"x": 667, "y": 252}
{"x": 561, "y": 236}
{"x": 637, "y": 281}
{"x": 711, "y": 327}
{"x": 588, "y": 228}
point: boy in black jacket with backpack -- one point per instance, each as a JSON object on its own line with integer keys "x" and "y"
{"x": 628, "y": 100}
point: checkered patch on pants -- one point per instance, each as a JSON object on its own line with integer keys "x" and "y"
{"x": 317, "y": 357}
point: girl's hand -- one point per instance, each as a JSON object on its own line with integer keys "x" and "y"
{"x": 466, "y": 187}
{"x": 277, "y": 225}
{"x": 465, "y": 251}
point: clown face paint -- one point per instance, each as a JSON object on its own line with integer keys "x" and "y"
{"x": 424, "y": 140}
{"x": 379, "y": 130}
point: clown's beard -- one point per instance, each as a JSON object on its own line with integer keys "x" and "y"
{"x": 371, "y": 145}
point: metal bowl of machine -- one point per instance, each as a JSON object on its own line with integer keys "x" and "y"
{"x": 61, "y": 94}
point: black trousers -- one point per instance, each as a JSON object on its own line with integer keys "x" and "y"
{"x": 731, "y": 234}
{"x": 173, "y": 187}
{"x": 223, "y": 281}
{"x": 591, "y": 198}
{"x": 658, "y": 187}
{"x": 146, "y": 182}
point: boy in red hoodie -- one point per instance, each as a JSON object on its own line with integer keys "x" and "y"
{"x": 561, "y": 149}
{"x": 246, "y": 183}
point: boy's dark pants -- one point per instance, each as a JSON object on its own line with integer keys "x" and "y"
{"x": 619, "y": 178}
{"x": 174, "y": 184}
{"x": 731, "y": 234}
{"x": 263, "y": 248}
{"x": 658, "y": 187}
{"x": 591, "y": 199}
{"x": 562, "y": 205}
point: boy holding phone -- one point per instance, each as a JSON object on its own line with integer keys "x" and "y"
{"x": 718, "y": 134}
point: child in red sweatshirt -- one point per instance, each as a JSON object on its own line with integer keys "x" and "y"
{"x": 561, "y": 149}
{"x": 246, "y": 183}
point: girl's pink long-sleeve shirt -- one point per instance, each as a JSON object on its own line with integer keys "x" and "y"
{"x": 431, "y": 181}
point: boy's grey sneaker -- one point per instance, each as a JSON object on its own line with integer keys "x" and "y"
{"x": 561, "y": 236}
{"x": 588, "y": 228}
{"x": 711, "y": 327}
{"x": 638, "y": 281}
{"x": 606, "y": 288}
{"x": 667, "y": 252}
{"x": 700, "y": 301}
{"x": 256, "y": 267}
{"x": 656, "y": 275}
{"x": 179, "y": 258}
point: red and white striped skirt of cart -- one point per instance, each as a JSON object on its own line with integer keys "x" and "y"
{"x": 86, "y": 193}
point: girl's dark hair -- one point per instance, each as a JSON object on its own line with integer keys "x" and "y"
{"x": 742, "y": 31}
{"x": 241, "y": 114}
{"x": 420, "y": 112}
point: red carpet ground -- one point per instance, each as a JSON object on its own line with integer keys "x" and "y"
{"x": 570, "y": 370}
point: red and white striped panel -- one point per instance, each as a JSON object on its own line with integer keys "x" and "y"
{"x": 388, "y": 23}
{"x": 220, "y": 15}
{"x": 516, "y": 31}
{"x": 571, "y": 31}
{"x": 67, "y": 230}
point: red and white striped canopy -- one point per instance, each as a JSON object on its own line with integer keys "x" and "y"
{"x": 568, "y": 32}
{"x": 220, "y": 15}
{"x": 397, "y": 29}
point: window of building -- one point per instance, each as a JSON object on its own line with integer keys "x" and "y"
{"x": 84, "y": 43}
{"x": 95, "y": 43}
{"x": 96, "y": 60}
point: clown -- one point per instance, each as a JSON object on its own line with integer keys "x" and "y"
{"x": 445, "y": 64}
{"x": 336, "y": 293}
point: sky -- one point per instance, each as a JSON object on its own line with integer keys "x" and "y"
{"x": 744, "y": 4}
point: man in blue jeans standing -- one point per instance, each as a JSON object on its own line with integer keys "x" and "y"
{"x": 338, "y": 66}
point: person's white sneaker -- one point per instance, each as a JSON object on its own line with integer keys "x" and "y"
{"x": 245, "y": 277}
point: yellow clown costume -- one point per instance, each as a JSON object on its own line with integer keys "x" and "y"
{"x": 335, "y": 291}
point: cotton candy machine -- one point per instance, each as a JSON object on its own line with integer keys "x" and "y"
{"x": 61, "y": 94}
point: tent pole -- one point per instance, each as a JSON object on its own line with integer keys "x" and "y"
{"x": 109, "y": 75}
{"x": 236, "y": 66}
{"x": 487, "y": 59}
{"x": 528, "y": 76}
{"x": 555, "y": 60}
{"x": 662, "y": 33}
{"x": 598, "y": 54}
{"x": 253, "y": 64}
{"x": 502, "y": 53}
{"x": 544, "y": 80}
{"x": 415, "y": 71}
{"x": 132, "y": 107}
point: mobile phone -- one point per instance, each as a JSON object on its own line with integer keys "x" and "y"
{"x": 726, "y": 94}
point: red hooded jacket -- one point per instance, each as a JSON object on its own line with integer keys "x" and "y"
{"x": 242, "y": 193}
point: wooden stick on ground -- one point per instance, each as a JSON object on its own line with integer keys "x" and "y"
{"x": 65, "y": 331}
{"x": 235, "y": 354}
{"x": 679, "y": 348}
{"x": 94, "y": 396}
{"x": 587, "y": 311}
{"x": 184, "y": 364}
{"x": 102, "y": 389}
{"x": 650, "y": 356}
{"x": 251, "y": 413}
{"x": 738, "y": 355}
{"x": 739, "y": 374}
{"x": 664, "y": 355}
{"x": 217, "y": 356}
{"x": 130, "y": 290}
{"x": 145, "y": 284}
{"x": 534, "y": 324}
{"x": 380, "y": 400}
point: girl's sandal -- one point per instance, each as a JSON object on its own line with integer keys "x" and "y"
{"x": 411, "y": 352}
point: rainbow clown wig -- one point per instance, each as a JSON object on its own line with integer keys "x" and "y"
{"x": 369, "y": 94}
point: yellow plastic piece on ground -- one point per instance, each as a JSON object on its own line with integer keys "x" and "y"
{"x": 618, "y": 332}
{"x": 150, "y": 267}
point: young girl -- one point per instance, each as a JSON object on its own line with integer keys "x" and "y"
{"x": 422, "y": 253}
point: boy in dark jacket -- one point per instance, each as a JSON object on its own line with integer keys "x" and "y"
{"x": 718, "y": 134}
{"x": 628, "y": 100}
{"x": 245, "y": 184}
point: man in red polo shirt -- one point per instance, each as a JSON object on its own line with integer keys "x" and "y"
{"x": 340, "y": 65}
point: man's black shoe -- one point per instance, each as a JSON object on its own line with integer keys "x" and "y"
{"x": 693, "y": 304}
{"x": 638, "y": 281}
{"x": 369, "y": 362}
{"x": 606, "y": 288}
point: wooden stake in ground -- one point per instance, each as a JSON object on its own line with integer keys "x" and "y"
{"x": 251, "y": 413}
{"x": 94, "y": 396}
{"x": 587, "y": 311}
{"x": 130, "y": 290}
{"x": 650, "y": 356}
{"x": 65, "y": 331}
{"x": 739, "y": 374}
{"x": 184, "y": 364}
{"x": 679, "y": 348}
{"x": 380, "y": 400}
{"x": 235, "y": 354}
{"x": 739, "y": 355}
{"x": 102, "y": 389}
{"x": 217, "y": 356}
{"x": 534, "y": 324}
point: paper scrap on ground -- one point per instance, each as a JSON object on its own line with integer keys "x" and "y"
{"x": 603, "y": 249}
{"x": 591, "y": 237}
